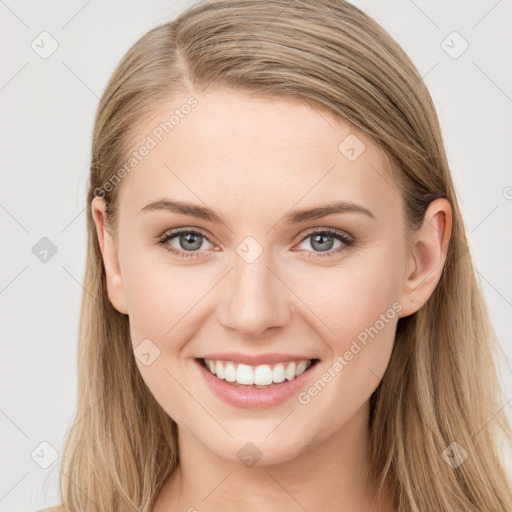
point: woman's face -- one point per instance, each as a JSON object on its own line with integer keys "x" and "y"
{"x": 258, "y": 276}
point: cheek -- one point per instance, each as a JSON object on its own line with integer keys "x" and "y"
{"x": 357, "y": 311}
{"x": 161, "y": 297}
{"x": 363, "y": 319}
{"x": 165, "y": 310}
{"x": 345, "y": 301}
{"x": 160, "y": 312}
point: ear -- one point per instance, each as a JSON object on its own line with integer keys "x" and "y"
{"x": 429, "y": 246}
{"x": 109, "y": 252}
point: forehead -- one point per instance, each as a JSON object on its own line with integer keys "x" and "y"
{"x": 236, "y": 150}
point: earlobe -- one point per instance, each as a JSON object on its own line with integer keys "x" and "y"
{"x": 109, "y": 251}
{"x": 427, "y": 256}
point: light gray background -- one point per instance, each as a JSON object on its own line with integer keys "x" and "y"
{"x": 47, "y": 117}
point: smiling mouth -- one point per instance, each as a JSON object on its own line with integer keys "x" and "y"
{"x": 259, "y": 377}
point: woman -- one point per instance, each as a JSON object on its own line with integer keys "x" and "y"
{"x": 280, "y": 309}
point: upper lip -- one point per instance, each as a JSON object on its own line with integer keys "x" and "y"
{"x": 255, "y": 360}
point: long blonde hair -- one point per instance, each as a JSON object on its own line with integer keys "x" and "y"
{"x": 441, "y": 384}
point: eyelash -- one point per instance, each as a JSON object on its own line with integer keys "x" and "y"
{"x": 169, "y": 235}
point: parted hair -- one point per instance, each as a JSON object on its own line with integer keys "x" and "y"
{"x": 441, "y": 383}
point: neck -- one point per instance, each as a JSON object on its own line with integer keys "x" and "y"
{"x": 332, "y": 475}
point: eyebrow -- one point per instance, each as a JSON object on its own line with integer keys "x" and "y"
{"x": 205, "y": 213}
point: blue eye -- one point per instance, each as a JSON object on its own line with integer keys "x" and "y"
{"x": 323, "y": 242}
{"x": 191, "y": 240}
{"x": 188, "y": 239}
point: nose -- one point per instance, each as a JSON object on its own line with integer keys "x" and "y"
{"x": 255, "y": 298}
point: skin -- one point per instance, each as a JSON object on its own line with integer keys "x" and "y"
{"x": 253, "y": 160}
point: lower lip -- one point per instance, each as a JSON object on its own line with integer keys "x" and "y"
{"x": 249, "y": 398}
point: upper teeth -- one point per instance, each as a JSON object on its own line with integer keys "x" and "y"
{"x": 261, "y": 375}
